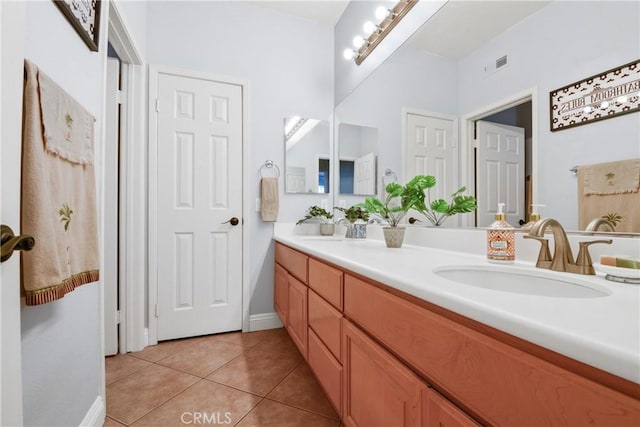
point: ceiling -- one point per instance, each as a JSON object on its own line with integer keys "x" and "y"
{"x": 457, "y": 29}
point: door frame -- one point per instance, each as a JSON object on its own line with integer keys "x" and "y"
{"x": 132, "y": 190}
{"x": 12, "y": 40}
{"x": 467, "y": 160}
{"x": 154, "y": 72}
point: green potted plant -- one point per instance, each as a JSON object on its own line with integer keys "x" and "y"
{"x": 437, "y": 211}
{"x": 398, "y": 201}
{"x": 324, "y": 217}
{"x": 356, "y": 219}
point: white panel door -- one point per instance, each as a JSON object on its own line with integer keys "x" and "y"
{"x": 199, "y": 190}
{"x": 364, "y": 175}
{"x": 499, "y": 171}
{"x": 296, "y": 181}
{"x": 432, "y": 149}
{"x": 12, "y": 30}
{"x": 110, "y": 182}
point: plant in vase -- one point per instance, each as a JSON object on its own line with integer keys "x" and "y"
{"x": 325, "y": 218}
{"x": 437, "y": 211}
{"x": 356, "y": 219}
{"x": 398, "y": 201}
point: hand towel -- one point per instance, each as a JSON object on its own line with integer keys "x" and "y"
{"x": 612, "y": 178}
{"x": 270, "y": 203}
{"x": 58, "y": 198}
{"x": 591, "y": 206}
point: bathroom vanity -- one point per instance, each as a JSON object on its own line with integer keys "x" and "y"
{"x": 392, "y": 343}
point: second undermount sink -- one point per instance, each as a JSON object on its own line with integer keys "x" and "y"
{"x": 522, "y": 281}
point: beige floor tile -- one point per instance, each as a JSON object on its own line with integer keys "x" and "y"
{"x": 256, "y": 371}
{"x": 203, "y": 357}
{"x": 121, "y": 365}
{"x": 277, "y": 340}
{"x": 300, "y": 389}
{"x": 269, "y": 413}
{"x": 108, "y": 422}
{"x": 135, "y": 395}
{"x": 153, "y": 353}
{"x": 205, "y": 403}
{"x": 245, "y": 340}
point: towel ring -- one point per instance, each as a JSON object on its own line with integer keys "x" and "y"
{"x": 269, "y": 164}
{"x": 389, "y": 174}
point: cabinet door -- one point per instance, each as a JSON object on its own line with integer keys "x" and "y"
{"x": 281, "y": 293}
{"x": 297, "y": 314}
{"x": 442, "y": 413}
{"x": 377, "y": 389}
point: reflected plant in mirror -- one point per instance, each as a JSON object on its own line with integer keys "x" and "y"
{"x": 437, "y": 211}
{"x": 307, "y": 155}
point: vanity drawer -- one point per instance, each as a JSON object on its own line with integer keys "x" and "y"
{"x": 325, "y": 321}
{"x": 499, "y": 384}
{"x": 293, "y": 261}
{"x": 327, "y": 369}
{"x": 327, "y": 282}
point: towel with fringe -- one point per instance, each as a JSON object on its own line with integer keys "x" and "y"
{"x": 58, "y": 205}
{"x": 612, "y": 178}
{"x": 269, "y": 204}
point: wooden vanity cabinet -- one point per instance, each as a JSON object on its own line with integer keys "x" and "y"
{"x": 281, "y": 293}
{"x": 385, "y": 358}
{"x": 378, "y": 390}
{"x": 297, "y": 314}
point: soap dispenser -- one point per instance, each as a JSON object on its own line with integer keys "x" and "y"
{"x": 501, "y": 239}
{"x": 534, "y": 216}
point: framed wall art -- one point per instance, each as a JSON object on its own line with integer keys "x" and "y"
{"x": 84, "y": 16}
{"x": 605, "y": 95}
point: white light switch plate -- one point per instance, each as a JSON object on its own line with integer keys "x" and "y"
{"x": 258, "y": 204}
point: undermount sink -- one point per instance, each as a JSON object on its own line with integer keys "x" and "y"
{"x": 521, "y": 281}
{"x": 333, "y": 238}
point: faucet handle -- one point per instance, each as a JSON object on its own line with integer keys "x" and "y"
{"x": 544, "y": 256}
{"x": 584, "y": 261}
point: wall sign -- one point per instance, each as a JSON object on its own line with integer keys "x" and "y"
{"x": 605, "y": 95}
{"x": 84, "y": 16}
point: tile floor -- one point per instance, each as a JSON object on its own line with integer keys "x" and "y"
{"x": 253, "y": 379}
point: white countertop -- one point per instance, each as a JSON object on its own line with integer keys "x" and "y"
{"x": 603, "y": 332}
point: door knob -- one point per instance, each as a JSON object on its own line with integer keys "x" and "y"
{"x": 11, "y": 242}
{"x": 233, "y": 220}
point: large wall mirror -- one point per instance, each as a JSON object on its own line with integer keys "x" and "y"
{"x": 460, "y": 94}
{"x": 357, "y": 159}
{"x": 307, "y": 155}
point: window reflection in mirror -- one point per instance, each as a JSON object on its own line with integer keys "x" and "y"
{"x": 307, "y": 154}
{"x": 358, "y": 153}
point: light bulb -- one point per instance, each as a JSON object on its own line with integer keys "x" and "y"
{"x": 382, "y": 12}
{"x": 358, "y": 42}
{"x": 369, "y": 27}
{"x": 348, "y": 54}
{"x": 605, "y": 104}
{"x": 587, "y": 109}
{"x": 622, "y": 99}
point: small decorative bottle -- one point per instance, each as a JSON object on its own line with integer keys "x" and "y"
{"x": 501, "y": 239}
{"x": 359, "y": 229}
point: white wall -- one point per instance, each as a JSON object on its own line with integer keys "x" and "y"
{"x": 61, "y": 341}
{"x": 562, "y": 43}
{"x": 287, "y": 62}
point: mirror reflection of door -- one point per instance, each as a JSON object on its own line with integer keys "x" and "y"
{"x": 503, "y": 165}
{"x": 358, "y": 151}
{"x": 307, "y": 149}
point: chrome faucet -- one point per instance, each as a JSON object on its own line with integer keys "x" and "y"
{"x": 562, "y": 259}
{"x": 600, "y": 224}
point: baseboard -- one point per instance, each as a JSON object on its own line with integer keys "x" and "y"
{"x": 96, "y": 414}
{"x": 259, "y": 322}
{"x": 146, "y": 337}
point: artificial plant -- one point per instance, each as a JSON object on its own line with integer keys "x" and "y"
{"x": 437, "y": 211}
{"x": 316, "y": 212}
{"x": 354, "y": 213}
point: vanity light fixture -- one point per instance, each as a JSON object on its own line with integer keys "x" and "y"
{"x": 374, "y": 34}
